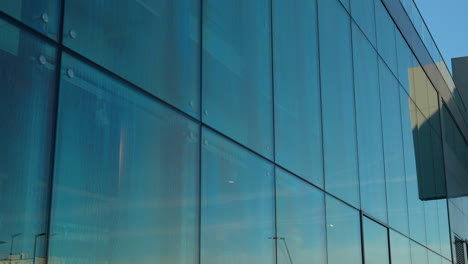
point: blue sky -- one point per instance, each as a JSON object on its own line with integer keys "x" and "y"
{"x": 448, "y": 22}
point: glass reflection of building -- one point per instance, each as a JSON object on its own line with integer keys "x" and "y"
{"x": 218, "y": 131}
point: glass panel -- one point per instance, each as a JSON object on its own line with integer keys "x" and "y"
{"x": 298, "y": 130}
{"x": 369, "y": 127}
{"x": 159, "y": 51}
{"x": 393, "y": 146}
{"x": 237, "y": 79}
{"x": 424, "y": 158}
{"x": 417, "y": 222}
{"x": 433, "y": 111}
{"x": 339, "y": 128}
{"x": 363, "y": 13}
{"x": 126, "y": 177}
{"x": 444, "y": 229}
{"x": 42, "y": 15}
{"x": 27, "y": 103}
{"x": 386, "y": 43}
{"x": 418, "y": 254}
{"x": 237, "y": 217}
{"x": 399, "y": 248}
{"x": 343, "y": 233}
{"x": 375, "y": 242}
{"x": 405, "y": 61}
{"x": 432, "y": 226}
{"x": 301, "y": 221}
{"x": 346, "y": 4}
{"x": 434, "y": 258}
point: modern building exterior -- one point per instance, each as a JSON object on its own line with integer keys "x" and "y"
{"x": 228, "y": 131}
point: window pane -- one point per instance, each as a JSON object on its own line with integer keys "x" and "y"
{"x": 346, "y": 4}
{"x": 27, "y": 100}
{"x": 393, "y": 146}
{"x": 343, "y": 233}
{"x": 298, "y": 131}
{"x": 432, "y": 226}
{"x": 153, "y": 44}
{"x": 434, "y": 258}
{"x": 399, "y": 248}
{"x": 386, "y": 43}
{"x": 375, "y": 243}
{"x": 237, "y": 80}
{"x": 405, "y": 61}
{"x": 417, "y": 222}
{"x": 444, "y": 229}
{"x": 301, "y": 221}
{"x": 237, "y": 221}
{"x": 418, "y": 254}
{"x": 364, "y": 15}
{"x": 339, "y": 138}
{"x": 369, "y": 127}
{"x": 42, "y": 15}
{"x": 126, "y": 176}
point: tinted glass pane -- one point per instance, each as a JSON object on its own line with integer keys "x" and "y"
{"x": 27, "y": 99}
{"x": 405, "y": 61}
{"x": 444, "y": 229}
{"x": 417, "y": 224}
{"x": 432, "y": 226}
{"x": 153, "y": 44}
{"x": 369, "y": 127}
{"x": 343, "y": 233}
{"x": 364, "y": 15}
{"x": 386, "y": 43}
{"x": 393, "y": 146}
{"x": 375, "y": 242}
{"x": 237, "y": 82}
{"x": 298, "y": 131}
{"x": 399, "y": 248}
{"x": 339, "y": 138}
{"x": 126, "y": 176}
{"x": 42, "y": 15}
{"x": 237, "y": 221}
{"x": 345, "y": 3}
{"x": 300, "y": 211}
{"x": 418, "y": 254}
{"x": 434, "y": 258}
{"x": 393, "y": 150}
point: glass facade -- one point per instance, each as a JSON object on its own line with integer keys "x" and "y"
{"x": 209, "y": 131}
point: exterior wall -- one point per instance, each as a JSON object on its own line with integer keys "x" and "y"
{"x": 208, "y": 131}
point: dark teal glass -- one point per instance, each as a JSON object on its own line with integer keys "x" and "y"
{"x": 343, "y": 233}
{"x": 298, "y": 128}
{"x": 27, "y": 111}
{"x": 346, "y": 4}
{"x": 405, "y": 59}
{"x": 369, "y": 127}
{"x": 300, "y": 214}
{"x": 42, "y": 15}
{"x": 386, "y": 42}
{"x": 363, "y": 13}
{"x": 237, "y": 213}
{"x": 393, "y": 150}
{"x": 375, "y": 239}
{"x": 153, "y": 44}
{"x": 339, "y": 127}
{"x": 126, "y": 183}
{"x": 417, "y": 220}
{"x": 237, "y": 72}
